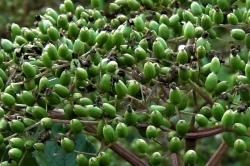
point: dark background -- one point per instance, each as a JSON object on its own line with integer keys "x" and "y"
{"x": 22, "y": 12}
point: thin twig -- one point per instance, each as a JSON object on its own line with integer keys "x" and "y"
{"x": 85, "y": 122}
{"x": 201, "y": 93}
{"x": 20, "y": 162}
{"x": 26, "y": 129}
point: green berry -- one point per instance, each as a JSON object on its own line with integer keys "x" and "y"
{"x": 142, "y": 145}
{"x": 238, "y": 34}
{"x": 121, "y": 130}
{"x": 201, "y": 120}
{"x": 239, "y": 129}
{"x": 109, "y": 134}
{"x": 228, "y": 118}
{"x": 155, "y": 158}
{"x": 211, "y": 82}
{"x": 175, "y": 145}
{"x": 190, "y": 157}
{"x": 151, "y": 132}
{"x": 67, "y": 145}
{"x": 15, "y": 154}
{"x": 182, "y": 127}
{"x": 240, "y": 146}
{"x": 189, "y": 31}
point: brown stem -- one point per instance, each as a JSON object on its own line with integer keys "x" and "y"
{"x": 206, "y": 132}
{"x": 192, "y": 135}
{"x": 174, "y": 159}
{"x": 134, "y": 160}
{"x": 180, "y": 159}
{"x": 218, "y": 155}
{"x": 165, "y": 91}
{"x": 118, "y": 149}
{"x": 190, "y": 144}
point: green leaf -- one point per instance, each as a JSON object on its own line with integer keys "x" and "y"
{"x": 41, "y": 159}
{"x": 53, "y": 81}
{"x": 225, "y": 73}
{"x": 29, "y": 159}
{"x": 66, "y": 159}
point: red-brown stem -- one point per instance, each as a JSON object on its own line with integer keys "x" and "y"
{"x": 134, "y": 160}
{"x": 118, "y": 149}
{"x": 177, "y": 159}
{"x": 174, "y": 159}
{"x": 122, "y": 152}
{"x": 218, "y": 155}
{"x": 206, "y": 132}
{"x": 190, "y": 144}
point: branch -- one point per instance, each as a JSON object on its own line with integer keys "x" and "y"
{"x": 174, "y": 159}
{"x": 191, "y": 135}
{"x": 206, "y": 132}
{"x": 201, "y": 93}
{"x": 122, "y": 152}
{"x": 218, "y": 155}
{"x": 118, "y": 149}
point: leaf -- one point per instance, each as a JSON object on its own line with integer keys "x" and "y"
{"x": 41, "y": 159}
{"x": 66, "y": 159}
{"x": 53, "y": 81}
{"x": 225, "y": 73}
{"x": 29, "y": 159}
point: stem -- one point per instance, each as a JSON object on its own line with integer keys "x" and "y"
{"x": 158, "y": 142}
{"x": 147, "y": 155}
{"x": 180, "y": 159}
{"x": 85, "y": 153}
{"x": 20, "y": 162}
{"x": 166, "y": 155}
{"x": 42, "y": 74}
{"x": 87, "y": 133}
{"x": 111, "y": 52}
{"x": 3, "y": 154}
{"x": 218, "y": 155}
{"x": 21, "y": 105}
{"x": 28, "y": 128}
{"x": 179, "y": 39}
{"x": 154, "y": 89}
{"x": 201, "y": 93}
{"x": 102, "y": 146}
{"x": 205, "y": 133}
{"x": 188, "y": 113}
{"x": 174, "y": 159}
{"x": 10, "y": 78}
{"x": 229, "y": 26}
{"x": 192, "y": 122}
{"x": 177, "y": 113}
{"x": 133, "y": 159}
{"x": 87, "y": 54}
{"x": 165, "y": 91}
{"x": 139, "y": 101}
{"x": 118, "y": 149}
{"x": 68, "y": 121}
{"x": 190, "y": 144}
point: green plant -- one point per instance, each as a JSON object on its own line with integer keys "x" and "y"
{"x": 147, "y": 82}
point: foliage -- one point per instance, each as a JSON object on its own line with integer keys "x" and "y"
{"x": 23, "y": 12}
{"x": 150, "y": 82}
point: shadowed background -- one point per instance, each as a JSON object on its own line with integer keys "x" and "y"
{"x": 23, "y": 12}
